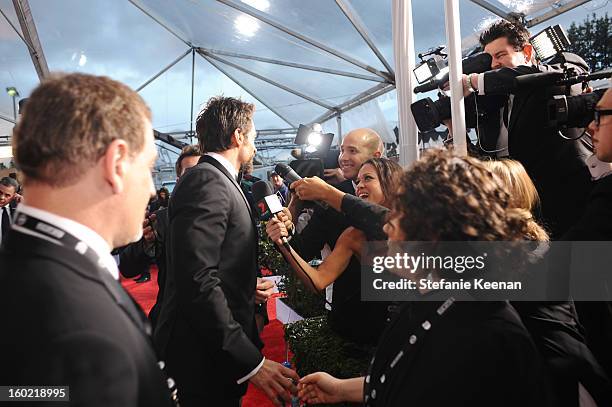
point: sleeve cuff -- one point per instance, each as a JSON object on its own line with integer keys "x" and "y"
{"x": 481, "y": 87}
{"x": 252, "y": 373}
{"x": 348, "y": 202}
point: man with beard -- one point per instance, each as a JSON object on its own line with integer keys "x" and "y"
{"x": 206, "y": 328}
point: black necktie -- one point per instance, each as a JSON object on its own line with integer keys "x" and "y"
{"x": 505, "y": 113}
{"x": 6, "y": 223}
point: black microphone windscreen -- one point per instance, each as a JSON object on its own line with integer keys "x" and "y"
{"x": 287, "y": 173}
{"x": 261, "y": 189}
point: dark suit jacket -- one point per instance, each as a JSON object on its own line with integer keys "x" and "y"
{"x": 67, "y": 322}
{"x": 480, "y": 354}
{"x": 556, "y": 166}
{"x": 133, "y": 260}
{"x": 596, "y": 224}
{"x": 349, "y": 315}
{"x": 206, "y": 328}
{"x": 366, "y": 216}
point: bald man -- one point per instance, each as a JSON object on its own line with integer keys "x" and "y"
{"x": 352, "y": 319}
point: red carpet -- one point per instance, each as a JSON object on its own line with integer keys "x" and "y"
{"x": 272, "y": 335}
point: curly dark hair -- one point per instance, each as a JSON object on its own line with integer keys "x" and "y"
{"x": 448, "y": 197}
{"x": 389, "y": 174}
{"x": 517, "y": 34}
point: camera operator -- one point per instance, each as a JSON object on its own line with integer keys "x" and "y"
{"x": 518, "y": 129}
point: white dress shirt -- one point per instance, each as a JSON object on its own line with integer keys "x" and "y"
{"x": 81, "y": 232}
{"x": 225, "y": 163}
{"x": 597, "y": 168}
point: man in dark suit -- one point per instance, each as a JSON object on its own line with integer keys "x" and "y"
{"x": 206, "y": 329}
{"x": 8, "y": 189}
{"x": 595, "y": 224}
{"x": 85, "y": 146}
{"x": 517, "y": 128}
{"x": 348, "y": 313}
{"x": 136, "y": 257}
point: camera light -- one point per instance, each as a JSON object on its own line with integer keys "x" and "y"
{"x": 422, "y": 73}
{"x": 550, "y": 41}
{"x": 314, "y": 139}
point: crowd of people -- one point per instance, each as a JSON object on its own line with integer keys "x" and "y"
{"x": 86, "y": 171}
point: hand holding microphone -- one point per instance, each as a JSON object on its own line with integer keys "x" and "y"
{"x": 269, "y": 208}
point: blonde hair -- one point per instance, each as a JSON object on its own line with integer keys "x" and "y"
{"x": 524, "y": 196}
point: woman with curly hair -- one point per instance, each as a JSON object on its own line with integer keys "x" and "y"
{"x": 441, "y": 351}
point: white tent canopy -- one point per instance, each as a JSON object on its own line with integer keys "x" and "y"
{"x": 298, "y": 61}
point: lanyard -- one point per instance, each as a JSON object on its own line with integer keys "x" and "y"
{"x": 124, "y": 300}
{"x": 371, "y": 383}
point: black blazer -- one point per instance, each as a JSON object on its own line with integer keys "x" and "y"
{"x": 556, "y": 166}
{"x": 361, "y": 322}
{"x": 596, "y": 224}
{"x": 133, "y": 260}
{"x": 67, "y": 322}
{"x": 477, "y": 354}
{"x": 206, "y": 328}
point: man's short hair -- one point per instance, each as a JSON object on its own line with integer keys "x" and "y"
{"x": 219, "y": 119}
{"x": 187, "y": 151}
{"x": 517, "y": 34}
{"x": 69, "y": 122}
{"x": 10, "y": 182}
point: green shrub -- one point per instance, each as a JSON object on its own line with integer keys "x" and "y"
{"x": 303, "y": 301}
{"x": 317, "y": 348}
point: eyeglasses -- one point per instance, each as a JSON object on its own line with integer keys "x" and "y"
{"x": 597, "y": 113}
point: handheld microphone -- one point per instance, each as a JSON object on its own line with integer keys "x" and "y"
{"x": 267, "y": 201}
{"x": 288, "y": 174}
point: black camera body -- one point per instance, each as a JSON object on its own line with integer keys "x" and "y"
{"x": 572, "y": 111}
{"x": 563, "y": 110}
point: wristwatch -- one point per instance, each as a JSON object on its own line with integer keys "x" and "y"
{"x": 469, "y": 84}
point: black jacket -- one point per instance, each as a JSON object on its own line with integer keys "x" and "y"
{"x": 595, "y": 224}
{"x": 554, "y": 327}
{"x": 133, "y": 260}
{"x": 69, "y": 323}
{"x": 206, "y": 327}
{"x": 476, "y": 354}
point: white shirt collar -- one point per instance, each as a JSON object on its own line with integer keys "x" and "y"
{"x": 225, "y": 163}
{"x": 81, "y": 232}
{"x": 598, "y": 169}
